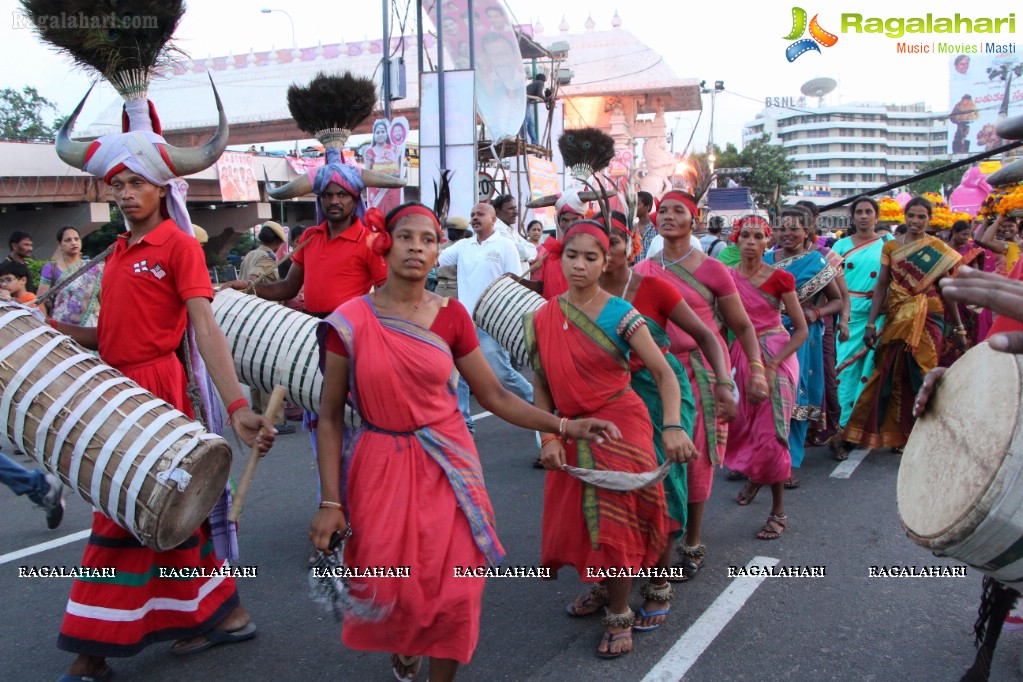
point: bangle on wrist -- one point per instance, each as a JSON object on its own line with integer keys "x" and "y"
{"x": 756, "y": 363}
{"x": 235, "y": 406}
{"x": 725, "y": 382}
{"x": 561, "y": 426}
{"x": 52, "y": 322}
{"x": 326, "y": 504}
{"x": 673, "y": 427}
{"x": 871, "y": 326}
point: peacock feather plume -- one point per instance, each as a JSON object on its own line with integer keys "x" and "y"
{"x": 586, "y": 151}
{"x": 123, "y": 41}
{"x": 330, "y": 107}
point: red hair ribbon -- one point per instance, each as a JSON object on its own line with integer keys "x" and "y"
{"x": 591, "y": 228}
{"x": 380, "y": 240}
{"x": 553, "y": 247}
{"x": 748, "y": 221}
{"x": 675, "y": 195}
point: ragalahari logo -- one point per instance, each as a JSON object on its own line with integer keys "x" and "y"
{"x": 817, "y": 35}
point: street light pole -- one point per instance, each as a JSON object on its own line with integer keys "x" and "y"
{"x": 387, "y": 64}
{"x": 718, "y": 87}
{"x": 294, "y": 45}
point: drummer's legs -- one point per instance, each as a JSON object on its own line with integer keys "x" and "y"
{"x": 499, "y": 360}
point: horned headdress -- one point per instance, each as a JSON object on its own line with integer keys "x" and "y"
{"x": 329, "y": 108}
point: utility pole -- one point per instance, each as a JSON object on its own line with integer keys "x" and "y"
{"x": 718, "y": 87}
{"x": 387, "y": 63}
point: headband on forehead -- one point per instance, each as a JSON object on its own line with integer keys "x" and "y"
{"x": 414, "y": 209}
{"x": 748, "y": 221}
{"x": 675, "y": 195}
{"x": 591, "y": 228}
{"x": 380, "y": 241}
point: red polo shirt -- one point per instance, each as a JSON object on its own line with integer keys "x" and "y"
{"x": 142, "y": 300}
{"x": 338, "y": 269}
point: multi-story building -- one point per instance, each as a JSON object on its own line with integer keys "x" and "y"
{"x": 846, "y": 149}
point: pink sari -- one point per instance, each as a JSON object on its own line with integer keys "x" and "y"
{"x": 758, "y": 441}
{"x": 412, "y": 489}
{"x": 700, "y": 289}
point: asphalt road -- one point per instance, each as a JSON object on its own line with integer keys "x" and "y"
{"x": 842, "y": 626}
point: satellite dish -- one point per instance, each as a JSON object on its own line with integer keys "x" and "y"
{"x": 818, "y": 87}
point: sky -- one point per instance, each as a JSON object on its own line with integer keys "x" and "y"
{"x": 740, "y": 43}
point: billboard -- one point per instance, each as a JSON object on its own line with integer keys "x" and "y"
{"x": 983, "y": 88}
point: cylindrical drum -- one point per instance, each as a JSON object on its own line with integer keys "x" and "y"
{"x": 271, "y": 344}
{"x": 143, "y": 463}
{"x": 960, "y": 488}
{"x": 499, "y": 313}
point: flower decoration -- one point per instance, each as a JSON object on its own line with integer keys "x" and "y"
{"x": 941, "y": 218}
{"x": 890, "y": 211}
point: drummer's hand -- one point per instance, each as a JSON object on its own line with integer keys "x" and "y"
{"x": 677, "y": 446}
{"x": 552, "y": 455}
{"x": 325, "y": 523}
{"x": 923, "y": 396}
{"x": 870, "y": 337}
{"x": 253, "y": 428}
{"x": 1002, "y": 295}
{"x": 757, "y": 389}
{"x": 597, "y": 430}
{"x": 236, "y": 284}
{"x": 724, "y": 402}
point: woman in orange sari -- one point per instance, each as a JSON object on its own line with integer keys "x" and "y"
{"x": 409, "y": 480}
{"x": 908, "y": 347}
{"x": 580, "y": 345}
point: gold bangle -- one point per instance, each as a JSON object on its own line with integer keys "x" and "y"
{"x": 326, "y": 504}
{"x": 756, "y": 363}
{"x": 871, "y": 326}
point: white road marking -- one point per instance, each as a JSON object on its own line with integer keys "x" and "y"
{"x": 681, "y": 657}
{"x": 481, "y": 415}
{"x": 845, "y": 469}
{"x": 36, "y": 549}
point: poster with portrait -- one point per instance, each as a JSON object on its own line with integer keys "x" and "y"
{"x": 386, "y": 154}
{"x": 237, "y": 176}
{"x": 978, "y": 99}
{"x": 500, "y": 78}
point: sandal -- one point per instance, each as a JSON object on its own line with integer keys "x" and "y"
{"x": 842, "y": 453}
{"x": 213, "y": 638}
{"x": 734, "y": 475}
{"x": 897, "y": 450}
{"x": 589, "y": 603}
{"x": 792, "y": 483}
{"x": 663, "y": 595}
{"x": 687, "y": 562}
{"x": 608, "y": 639}
{"x": 769, "y": 532}
{"x": 747, "y": 494}
{"x": 411, "y": 664}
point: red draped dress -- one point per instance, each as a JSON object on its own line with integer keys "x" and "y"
{"x": 585, "y": 366}
{"x": 411, "y": 482}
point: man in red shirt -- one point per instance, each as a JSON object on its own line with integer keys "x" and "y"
{"x": 155, "y": 287}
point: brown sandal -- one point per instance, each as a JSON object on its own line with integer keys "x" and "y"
{"x": 748, "y": 494}
{"x": 769, "y": 532}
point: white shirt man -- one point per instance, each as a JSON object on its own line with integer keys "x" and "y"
{"x": 657, "y": 245}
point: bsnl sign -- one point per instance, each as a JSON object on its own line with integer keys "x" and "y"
{"x": 784, "y": 101}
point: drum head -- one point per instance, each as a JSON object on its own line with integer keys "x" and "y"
{"x": 182, "y": 512}
{"x": 957, "y": 448}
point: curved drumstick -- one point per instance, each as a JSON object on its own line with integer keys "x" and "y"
{"x": 272, "y": 407}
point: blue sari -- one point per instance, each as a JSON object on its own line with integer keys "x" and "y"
{"x": 813, "y": 273}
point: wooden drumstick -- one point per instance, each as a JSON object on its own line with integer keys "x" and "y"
{"x": 272, "y": 407}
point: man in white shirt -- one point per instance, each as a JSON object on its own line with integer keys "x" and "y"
{"x": 480, "y": 260}
{"x": 507, "y": 219}
{"x": 657, "y": 245}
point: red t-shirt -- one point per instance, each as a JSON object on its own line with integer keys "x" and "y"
{"x": 142, "y": 300}
{"x": 338, "y": 269}
{"x": 1003, "y": 323}
{"x": 452, "y": 324}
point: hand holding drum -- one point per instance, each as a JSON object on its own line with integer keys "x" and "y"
{"x": 272, "y": 407}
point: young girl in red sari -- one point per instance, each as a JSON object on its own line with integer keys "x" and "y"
{"x": 758, "y": 443}
{"x": 409, "y": 480}
{"x": 580, "y": 345}
{"x": 709, "y": 290}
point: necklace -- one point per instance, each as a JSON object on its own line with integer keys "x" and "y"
{"x": 580, "y": 307}
{"x": 627, "y": 283}
{"x": 677, "y": 260}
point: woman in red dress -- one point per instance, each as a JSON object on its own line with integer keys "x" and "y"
{"x": 409, "y": 480}
{"x": 580, "y": 345}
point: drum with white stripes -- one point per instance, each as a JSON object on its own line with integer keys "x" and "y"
{"x": 960, "y": 487}
{"x": 144, "y": 464}
{"x": 499, "y": 313}
{"x": 271, "y": 344}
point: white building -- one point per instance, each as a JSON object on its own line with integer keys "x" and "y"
{"x": 846, "y": 149}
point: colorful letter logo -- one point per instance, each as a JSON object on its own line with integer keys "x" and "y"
{"x": 818, "y": 34}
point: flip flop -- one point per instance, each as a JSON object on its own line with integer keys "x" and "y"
{"x": 102, "y": 677}
{"x": 792, "y": 483}
{"x": 643, "y": 615}
{"x": 414, "y": 663}
{"x": 608, "y": 639}
{"x": 215, "y": 637}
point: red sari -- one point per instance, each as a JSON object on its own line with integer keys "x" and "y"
{"x": 586, "y": 369}
{"x": 412, "y": 488}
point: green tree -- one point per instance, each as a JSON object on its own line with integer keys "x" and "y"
{"x": 773, "y": 173}
{"x": 97, "y": 241}
{"x": 23, "y": 116}
{"x": 942, "y": 183}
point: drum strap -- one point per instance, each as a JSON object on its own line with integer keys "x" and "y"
{"x": 194, "y": 396}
